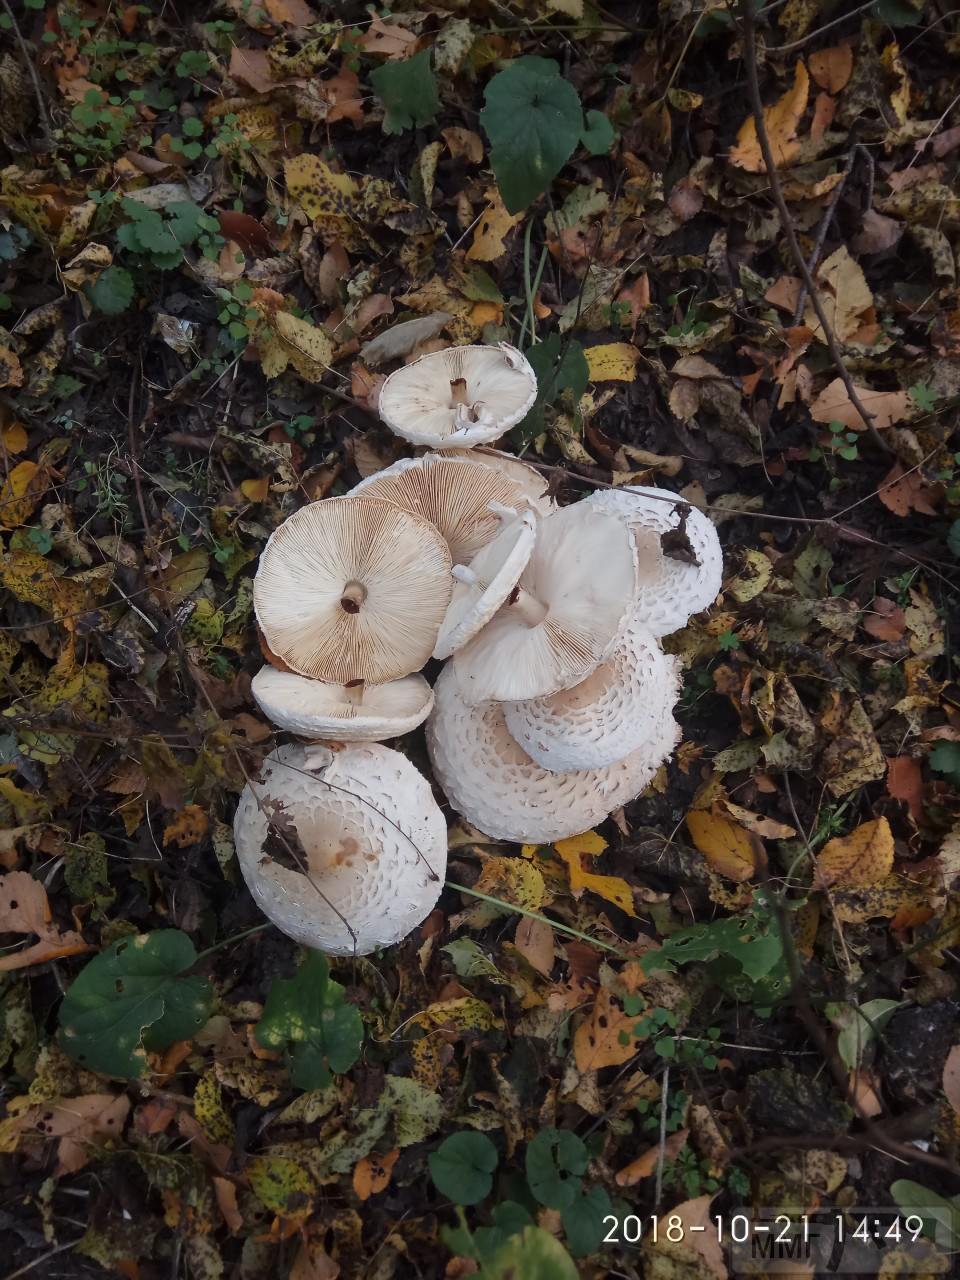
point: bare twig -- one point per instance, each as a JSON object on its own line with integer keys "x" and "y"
{"x": 798, "y": 44}
{"x": 748, "y": 29}
{"x": 662, "y": 1152}
{"x": 857, "y": 149}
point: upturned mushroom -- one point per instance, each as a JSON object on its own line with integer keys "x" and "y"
{"x": 344, "y": 851}
{"x": 459, "y": 397}
{"x": 690, "y": 571}
{"x": 622, "y": 705}
{"x": 357, "y": 712}
{"x": 489, "y": 778}
{"x": 563, "y": 617}
{"x": 455, "y": 494}
{"x": 351, "y": 589}
{"x": 533, "y": 485}
{"x": 482, "y": 586}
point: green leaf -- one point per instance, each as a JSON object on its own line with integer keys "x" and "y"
{"x": 941, "y": 1217}
{"x": 462, "y": 1167}
{"x": 597, "y": 135}
{"x": 560, "y": 365}
{"x": 308, "y": 1018}
{"x": 129, "y": 999}
{"x": 408, "y": 91}
{"x": 112, "y": 292}
{"x": 534, "y": 1254}
{"x": 953, "y": 538}
{"x": 534, "y": 121}
{"x": 508, "y": 1219}
{"x": 583, "y": 1221}
{"x": 858, "y": 1027}
{"x": 555, "y": 1158}
{"x": 945, "y": 758}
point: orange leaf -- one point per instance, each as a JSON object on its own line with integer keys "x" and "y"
{"x": 833, "y": 404}
{"x": 859, "y": 860}
{"x": 887, "y": 621}
{"x": 14, "y": 437}
{"x": 188, "y": 827}
{"x": 730, "y": 849}
{"x": 781, "y": 122}
{"x": 831, "y": 68}
{"x": 372, "y": 1173}
{"x": 24, "y": 909}
{"x": 255, "y": 490}
{"x": 646, "y": 1164}
{"x": 905, "y": 782}
{"x": 534, "y": 940}
{"x": 904, "y": 491}
{"x": 597, "y": 1040}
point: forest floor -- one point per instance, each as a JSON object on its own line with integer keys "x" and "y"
{"x": 206, "y": 213}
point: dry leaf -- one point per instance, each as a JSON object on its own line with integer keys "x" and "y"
{"x": 905, "y": 782}
{"x": 493, "y": 226}
{"x": 844, "y": 295}
{"x": 831, "y": 68}
{"x": 833, "y": 404}
{"x": 386, "y": 41}
{"x": 951, "y": 1078}
{"x": 252, "y": 67}
{"x": 343, "y": 97}
{"x": 464, "y": 144}
{"x": 256, "y": 490}
{"x": 781, "y": 122}
{"x": 575, "y": 851}
{"x": 904, "y": 491}
{"x": 535, "y": 942}
{"x": 612, "y": 362}
{"x": 20, "y": 494}
{"x": 877, "y": 233}
{"x": 728, "y": 848}
{"x": 24, "y": 909}
{"x": 866, "y": 1093}
{"x": 887, "y": 621}
{"x": 858, "y": 861}
{"x": 699, "y": 1254}
{"x": 372, "y": 1173}
{"x": 646, "y": 1164}
{"x": 188, "y": 827}
{"x": 596, "y": 1043}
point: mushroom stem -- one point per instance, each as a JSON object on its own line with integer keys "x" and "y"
{"x": 527, "y": 607}
{"x": 463, "y": 573}
{"x": 458, "y": 391}
{"x": 354, "y": 594}
{"x": 503, "y": 513}
{"x": 353, "y": 692}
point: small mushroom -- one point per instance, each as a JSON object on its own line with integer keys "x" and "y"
{"x": 356, "y": 712}
{"x": 353, "y": 589}
{"x": 489, "y": 778}
{"x": 452, "y": 493}
{"x": 482, "y": 586}
{"x": 691, "y": 562}
{"x": 563, "y": 617}
{"x": 344, "y": 851}
{"x": 459, "y": 397}
{"x": 623, "y": 705}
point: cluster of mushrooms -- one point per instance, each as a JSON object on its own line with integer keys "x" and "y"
{"x": 554, "y": 707}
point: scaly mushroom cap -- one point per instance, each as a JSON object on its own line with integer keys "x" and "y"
{"x": 624, "y": 705}
{"x": 482, "y": 586}
{"x": 459, "y": 397}
{"x": 353, "y": 589}
{"x": 535, "y": 488}
{"x": 489, "y": 779}
{"x": 452, "y": 493}
{"x": 564, "y": 617}
{"x": 666, "y": 601}
{"x": 364, "y": 825}
{"x": 357, "y": 713}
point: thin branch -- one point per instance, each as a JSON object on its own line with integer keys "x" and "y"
{"x": 798, "y": 44}
{"x": 30, "y": 60}
{"x": 814, "y": 262}
{"x": 748, "y": 29}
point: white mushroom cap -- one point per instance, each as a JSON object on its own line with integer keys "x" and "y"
{"x": 666, "y": 601}
{"x": 622, "y": 706}
{"x": 565, "y": 616}
{"x": 346, "y": 713}
{"x": 372, "y": 839}
{"x": 482, "y": 586}
{"x": 452, "y": 493}
{"x": 459, "y": 397}
{"x": 493, "y": 783}
{"x": 535, "y": 487}
{"x": 353, "y": 589}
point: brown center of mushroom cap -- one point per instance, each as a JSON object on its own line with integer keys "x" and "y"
{"x": 354, "y": 594}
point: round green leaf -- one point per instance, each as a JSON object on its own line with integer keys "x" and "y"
{"x": 598, "y": 134}
{"x": 534, "y": 1254}
{"x": 462, "y": 1167}
{"x": 555, "y": 1159}
{"x": 112, "y": 291}
{"x": 534, "y": 121}
{"x": 129, "y": 999}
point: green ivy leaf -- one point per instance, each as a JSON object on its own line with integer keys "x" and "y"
{"x": 112, "y": 291}
{"x": 534, "y": 121}
{"x": 131, "y": 998}
{"x": 534, "y": 1254}
{"x": 308, "y": 1018}
{"x": 583, "y": 1221}
{"x": 408, "y": 91}
{"x": 597, "y": 135}
{"x": 945, "y": 759}
{"x": 462, "y": 1167}
{"x": 554, "y": 1161}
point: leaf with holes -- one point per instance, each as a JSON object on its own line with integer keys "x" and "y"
{"x": 308, "y": 1018}
{"x": 130, "y": 999}
{"x": 554, "y": 1162}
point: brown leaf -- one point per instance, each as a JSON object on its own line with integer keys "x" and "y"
{"x": 781, "y": 122}
{"x": 700, "y": 1252}
{"x": 386, "y": 41}
{"x": 81, "y": 1124}
{"x": 951, "y": 1078}
{"x": 290, "y": 13}
{"x": 831, "y": 68}
{"x": 343, "y": 97}
{"x": 866, "y": 1093}
{"x": 372, "y": 1173}
{"x": 785, "y": 293}
{"x": 24, "y": 909}
{"x": 833, "y": 404}
{"x": 596, "y": 1043}
{"x": 534, "y": 940}
{"x": 844, "y": 295}
{"x": 858, "y": 861}
{"x": 646, "y": 1164}
{"x": 685, "y": 200}
{"x": 904, "y": 491}
{"x": 877, "y": 233}
{"x": 246, "y": 230}
{"x": 226, "y": 1193}
{"x": 463, "y": 144}
{"x": 905, "y": 782}
{"x": 252, "y": 67}
{"x": 824, "y": 110}
{"x": 887, "y": 621}
{"x": 493, "y": 226}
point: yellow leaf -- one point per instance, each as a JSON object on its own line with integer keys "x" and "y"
{"x": 14, "y": 437}
{"x": 328, "y": 197}
{"x": 612, "y": 362}
{"x": 844, "y": 295}
{"x": 514, "y": 880}
{"x": 892, "y": 63}
{"x": 494, "y": 224}
{"x": 283, "y": 1186}
{"x": 209, "y": 1110}
{"x": 188, "y": 827}
{"x": 309, "y": 348}
{"x": 730, "y": 850}
{"x": 11, "y": 372}
{"x": 590, "y": 843}
{"x": 464, "y": 1013}
{"x": 255, "y": 490}
{"x": 859, "y": 860}
{"x": 20, "y": 494}
{"x": 781, "y": 121}
{"x": 614, "y": 889}
{"x": 572, "y": 8}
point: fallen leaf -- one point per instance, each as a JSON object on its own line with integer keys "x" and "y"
{"x": 290, "y": 13}
{"x": 903, "y": 491}
{"x": 698, "y": 1255}
{"x": 14, "y": 437}
{"x": 905, "y": 782}
{"x": 20, "y": 494}
{"x": 188, "y": 827}
{"x": 612, "y": 362}
{"x": 226, "y": 1194}
{"x": 493, "y": 226}
{"x": 535, "y": 941}
{"x": 877, "y": 233}
{"x": 781, "y": 121}
{"x": 951, "y": 1078}
{"x": 824, "y": 110}
{"x": 252, "y": 67}
{"x": 597, "y": 1043}
{"x": 833, "y": 404}
{"x": 844, "y": 295}
{"x": 464, "y": 144}
{"x": 728, "y": 848}
{"x": 785, "y": 293}
{"x": 372, "y": 1174}
{"x": 858, "y": 861}
{"x": 256, "y": 490}
{"x": 885, "y": 620}
{"x": 387, "y": 41}
{"x": 24, "y": 909}
{"x": 866, "y": 1093}
{"x": 574, "y": 851}
{"x": 646, "y": 1164}
{"x": 831, "y": 68}
{"x": 343, "y": 97}
{"x": 81, "y": 1124}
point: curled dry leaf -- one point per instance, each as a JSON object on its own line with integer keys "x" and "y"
{"x": 24, "y": 909}
{"x": 951, "y": 1078}
{"x": 858, "y": 861}
{"x": 781, "y": 120}
{"x": 646, "y": 1164}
